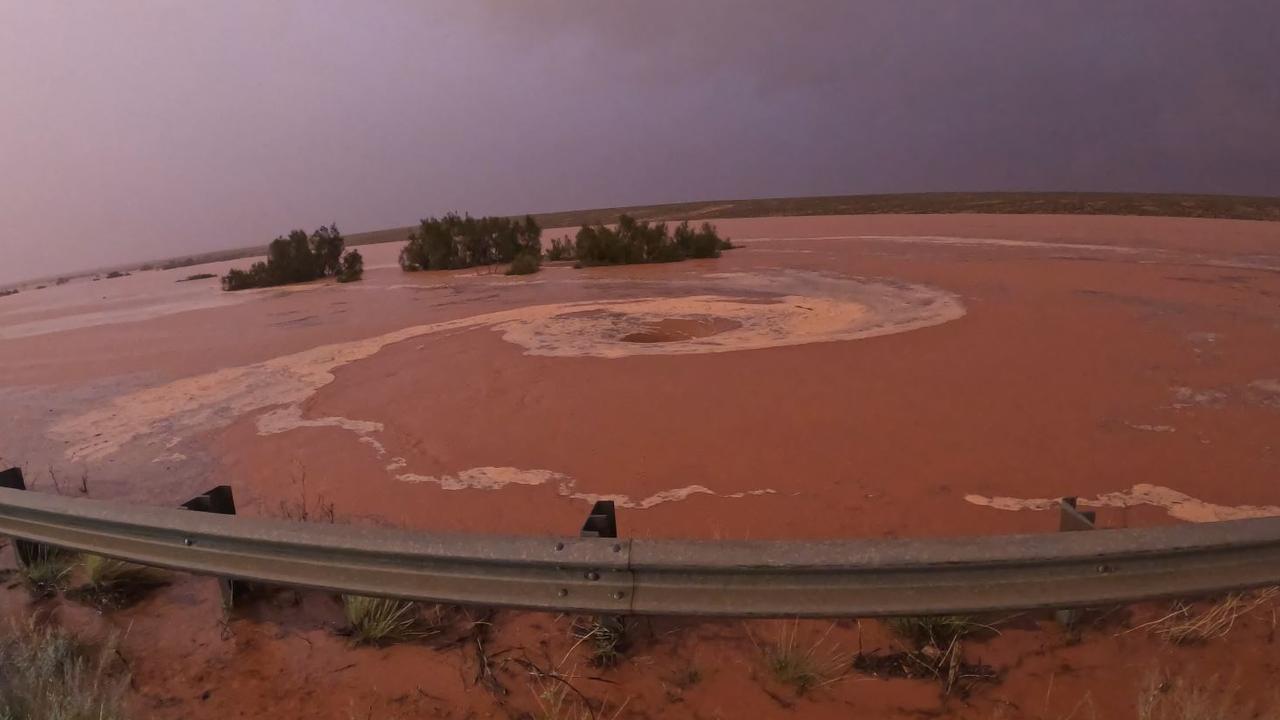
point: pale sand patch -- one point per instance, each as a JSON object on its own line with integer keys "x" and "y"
{"x": 1270, "y": 385}
{"x": 485, "y": 478}
{"x": 773, "y": 315}
{"x": 1153, "y": 428}
{"x": 1177, "y": 504}
{"x": 290, "y": 417}
{"x": 497, "y": 478}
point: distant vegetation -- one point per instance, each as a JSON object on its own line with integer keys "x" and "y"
{"x": 299, "y": 258}
{"x": 460, "y": 241}
{"x": 638, "y": 241}
{"x": 561, "y": 249}
{"x": 7, "y": 293}
{"x": 1227, "y": 207}
{"x": 197, "y": 276}
{"x": 117, "y": 274}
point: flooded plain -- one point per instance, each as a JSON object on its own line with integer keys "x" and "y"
{"x": 874, "y": 376}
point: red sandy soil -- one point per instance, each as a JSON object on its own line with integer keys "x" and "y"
{"x": 1124, "y": 351}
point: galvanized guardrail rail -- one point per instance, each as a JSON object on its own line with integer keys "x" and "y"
{"x": 602, "y": 575}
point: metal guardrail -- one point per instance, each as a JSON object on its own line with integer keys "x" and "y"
{"x": 756, "y": 578}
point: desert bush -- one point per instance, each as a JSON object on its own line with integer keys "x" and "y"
{"x": 638, "y": 241}
{"x": 460, "y": 241}
{"x": 200, "y": 276}
{"x": 294, "y": 259}
{"x": 352, "y": 267}
{"x": 7, "y": 293}
{"x": 525, "y": 263}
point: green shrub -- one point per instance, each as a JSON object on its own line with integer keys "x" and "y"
{"x": 561, "y": 249}
{"x": 526, "y": 263}
{"x": 294, "y": 259}
{"x": 460, "y": 241}
{"x": 638, "y": 241}
{"x": 352, "y": 267}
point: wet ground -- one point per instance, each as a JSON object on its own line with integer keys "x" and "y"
{"x": 832, "y": 377}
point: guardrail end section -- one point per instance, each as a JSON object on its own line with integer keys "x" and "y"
{"x": 222, "y": 501}
{"x": 25, "y": 552}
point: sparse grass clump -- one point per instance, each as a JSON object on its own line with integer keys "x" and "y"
{"x": 935, "y": 652}
{"x": 45, "y": 674}
{"x": 1164, "y": 697}
{"x": 111, "y": 583}
{"x": 380, "y": 621}
{"x": 802, "y": 666}
{"x": 46, "y": 568}
{"x": 1184, "y": 625}
{"x": 607, "y": 635}
{"x": 937, "y": 630}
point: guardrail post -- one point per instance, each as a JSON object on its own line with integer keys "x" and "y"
{"x": 1071, "y": 519}
{"x": 608, "y": 632}
{"x": 220, "y": 500}
{"x": 602, "y": 522}
{"x": 24, "y": 551}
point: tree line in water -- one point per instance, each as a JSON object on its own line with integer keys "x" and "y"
{"x": 458, "y": 241}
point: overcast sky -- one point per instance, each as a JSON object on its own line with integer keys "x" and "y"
{"x": 138, "y": 130}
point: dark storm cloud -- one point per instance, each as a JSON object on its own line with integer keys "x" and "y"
{"x": 149, "y": 129}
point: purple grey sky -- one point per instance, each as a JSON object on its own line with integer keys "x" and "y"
{"x": 139, "y": 130}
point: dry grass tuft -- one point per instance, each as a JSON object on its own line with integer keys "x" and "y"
{"x": 1163, "y": 697}
{"x": 377, "y": 621}
{"x": 558, "y": 699}
{"x": 802, "y": 666}
{"x": 940, "y": 631}
{"x": 1184, "y": 625}
{"x": 111, "y": 583}
{"x": 47, "y": 569}
{"x": 607, "y": 635}
{"x": 46, "y": 675}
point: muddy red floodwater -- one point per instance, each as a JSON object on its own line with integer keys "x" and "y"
{"x": 833, "y": 377}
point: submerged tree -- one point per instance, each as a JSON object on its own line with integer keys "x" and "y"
{"x": 459, "y": 241}
{"x": 638, "y": 241}
{"x": 352, "y": 267}
{"x": 298, "y": 258}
